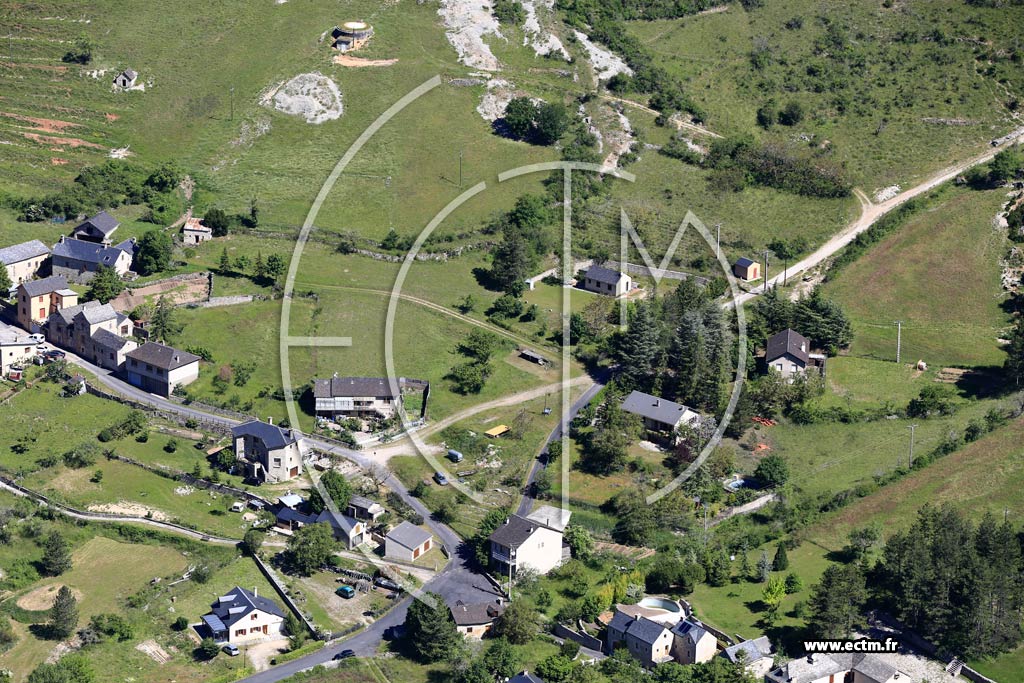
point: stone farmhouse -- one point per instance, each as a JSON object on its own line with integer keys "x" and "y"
{"x": 347, "y": 529}
{"x": 94, "y": 331}
{"x": 160, "y": 369}
{"x": 648, "y": 641}
{"x": 757, "y": 654}
{"x": 99, "y": 229}
{"x": 788, "y": 353}
{"x": 267, "y": 452}
{"x": 692, "y": 644}
{"x": 606, "y": 281}
{"x": 78, "y": 260}
{"x": 242, "y": 617}
{"x": 126, "y": 79}
{"x": 24, "y": 261}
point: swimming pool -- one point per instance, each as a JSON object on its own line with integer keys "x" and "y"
{"x": 661, "y": 603}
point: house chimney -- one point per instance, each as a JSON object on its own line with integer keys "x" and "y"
{"x": 636, "y": 617}
{"x": 270, "y": 420}
{"x": 803, "y": 346}
{"x": 657, "y": 402}
{"x": 62, "y": 239}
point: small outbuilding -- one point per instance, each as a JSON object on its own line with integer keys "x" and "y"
{"x": 475, "y": 620}
{"x": 126, "y": 79}
{"x": 497, "y": 432}
{"x": 746, "y": 270}
{"x": 407, "y": 542}
{"x": 533, "y": 356}
{"x": 606, "y": 281}
{"x": 194, "y": 232}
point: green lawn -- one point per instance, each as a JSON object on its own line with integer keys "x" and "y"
{"x": 940, "y": 274}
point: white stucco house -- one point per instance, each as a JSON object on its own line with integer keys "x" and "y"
{"x": 606, "y": 281}
{"x": 24, "y": 261}
{"x": 242, "y": 617}
{"x": 533, "y": 541}
{"x": 789, "y": 354}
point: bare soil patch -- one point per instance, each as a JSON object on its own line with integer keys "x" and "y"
{"x": 61, "y": 142}
{"x": 349, "y": 60}
{"x": 260, "y": 654}
{"x": 57, "y": 161}
{"x": 42, "y": 598}
{"x": 129, "y": 509}
{"x": 179, "y": 292}
{"x": 152, "y": 649}
{"x": 44, "y": 125}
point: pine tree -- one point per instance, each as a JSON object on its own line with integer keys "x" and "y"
{"x": 836, "y": 602}
{"x": 688, "y": 356}
{"x": 745, "y": 569}
{"x": 225, "y": 262}
{"x": 639, "y": 348}
{"x": 764, "y": 567}
{"x": 258, "y": 269}
{"x": 56, "y": 555}
{"x": 717, "y": 349}
{"x": 5, "y": 282}
{"x": 104, "y": 285}
{"x": 63, "y": 614}
{"x": 780, "y": 562}
{"x": 430, "y": 628}
{"x": 163, "y": 324}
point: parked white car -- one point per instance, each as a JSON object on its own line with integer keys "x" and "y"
{"x": 37, "y": 338}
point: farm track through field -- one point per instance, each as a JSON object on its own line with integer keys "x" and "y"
{"x": 870, "y": 214}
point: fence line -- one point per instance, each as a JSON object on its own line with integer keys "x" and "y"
{"x": 282, "y": 591}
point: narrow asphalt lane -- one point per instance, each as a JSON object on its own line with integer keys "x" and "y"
{"x": 527, "y": 501}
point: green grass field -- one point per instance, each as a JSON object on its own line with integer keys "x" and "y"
{"x": 940, "y": 274}
{"x": 873, "y": 89}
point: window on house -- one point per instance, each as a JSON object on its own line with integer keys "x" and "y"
{"x": 254, "y": 617}
{"x": 240, "y": 632}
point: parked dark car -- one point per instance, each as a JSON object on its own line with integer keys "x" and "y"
{"x": 386, "y": 583}
{"x": 344, "y": 654}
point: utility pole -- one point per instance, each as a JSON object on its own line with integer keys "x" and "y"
{"x": 899, "y": 338}
{"x": 718, "y": 241}
{"x": 232, "y": 103}
{"x": 460, "y": 169}
{"x": 912, "y": 428}
{"x": 765, "y": 275}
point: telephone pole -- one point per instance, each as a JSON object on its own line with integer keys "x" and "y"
{"x": 460, "y": 169}
{"x": 718, "y": 241}
{"x": 911, "y": 463}
{"x": 899, "y": 339}
{"x": 765, "y": 274}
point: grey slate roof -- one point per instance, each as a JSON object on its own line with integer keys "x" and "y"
{"x": 98, "y": 314}
{"x": 338, "y": 521}
{"x": 239, "y": 604}
{"x": 409, "y": 535}
{"x": 525, "y": 677}
{"x": 272, "y": 436}
{"x": 515, "y": 531}
{"x": 788, "y": 341}
{"x": 645, "y": 630}
{"x": 532, "y": 355}
{"x": 108, "y": 340}
{"x": 693, "y": 631}
{"x": 602, "y": 274}
{"x": 352, "y": 386}
{"x": 744, "y": 262}
{"x": 164, "y": 357}
{"x": 819, "y": 666}
{"x": 130, "y": 73}
{"x": 475, "y": 614}
{"x": 755, "y": 649}
{"x": 654, "y": 408}
{"x": 68, "y": 313}
{"x": 16, "y": 253}
{"x": 90, "y": 252}
{"x": 103, "y": 222}
{"x": 47, "y": 285}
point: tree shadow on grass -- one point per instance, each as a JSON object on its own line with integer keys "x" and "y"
{"x": 486, "y": 279}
